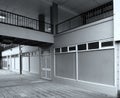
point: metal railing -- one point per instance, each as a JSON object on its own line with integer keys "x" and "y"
{"x": 22, "y": 21}
{"x": 90, "y": 16}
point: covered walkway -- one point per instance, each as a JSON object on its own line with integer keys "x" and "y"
{"x": 13, "y": 85}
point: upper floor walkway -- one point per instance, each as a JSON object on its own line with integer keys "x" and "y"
{"x": 92, "y": 15}
{"x": 22, "y": 27}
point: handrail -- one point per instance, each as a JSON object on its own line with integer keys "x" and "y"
{"x": 100, "y": 12}
{"x": 14, "y": 19}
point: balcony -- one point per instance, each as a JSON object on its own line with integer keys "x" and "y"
{"x": 24, "y": 30}
{"x": 90, "y": 16}
{"x": 24, "y": 22}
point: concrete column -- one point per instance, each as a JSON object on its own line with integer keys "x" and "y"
{"x": 54, "y": 17}
{"x": 1, "y": 60}
{"x": 42, "y": 22}
{"x": 8, "y": 62}
{"x": 39, "y": 49}
{"x": 116, "y": 20}
{"x": 20, "y": 58}
{"x": 29, "y": 61}
{"x": 116, "y": 32}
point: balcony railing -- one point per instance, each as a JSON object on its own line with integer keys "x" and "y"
{"x": 90, "y": 16}
{"x": 23, "y": 21}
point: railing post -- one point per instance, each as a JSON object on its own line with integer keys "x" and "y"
{"x": 17, "y": 19}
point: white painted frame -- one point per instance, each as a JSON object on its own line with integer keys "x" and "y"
{"x": 46, "y": 69}
{"x": 87, "y": 50}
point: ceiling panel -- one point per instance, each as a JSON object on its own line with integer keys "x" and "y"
{"x": 80, "y": 6}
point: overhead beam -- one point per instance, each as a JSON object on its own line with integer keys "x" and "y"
{"x": 20, "y": 41}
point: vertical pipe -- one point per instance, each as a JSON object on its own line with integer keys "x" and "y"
{"x": 76, "y": 63}
{"x": 20, "y": 58}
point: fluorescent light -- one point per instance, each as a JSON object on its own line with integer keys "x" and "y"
{"x": 49, "y": 29}
{"x": 2, "y": 17}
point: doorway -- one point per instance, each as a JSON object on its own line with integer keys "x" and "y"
{"x": 46, "y": 65}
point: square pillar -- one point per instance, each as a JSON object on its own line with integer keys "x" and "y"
{"x": 54, "y": 17}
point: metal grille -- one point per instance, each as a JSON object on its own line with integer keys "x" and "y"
{"x": 90, "y": 16}
{"x": 22, "y": 21}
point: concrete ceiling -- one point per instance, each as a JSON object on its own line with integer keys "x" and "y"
{"x": 32, "y": 8}
{"x": 79, "y": 6}
{"x": 7, "y": 42}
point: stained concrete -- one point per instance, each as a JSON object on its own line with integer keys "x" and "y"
{"x": 13, "y": 85}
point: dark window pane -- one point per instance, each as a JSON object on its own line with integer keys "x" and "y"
{"x": 57, "y": 50}
{"x": 82, "y": 47}
{"x": 94, "y": 45}
{"x": 106, "y": 44}
{"x": 64, "y": 49}
{"x": 72, "y": 48}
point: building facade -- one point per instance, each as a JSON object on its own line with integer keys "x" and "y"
{"x": 82, "y": 51}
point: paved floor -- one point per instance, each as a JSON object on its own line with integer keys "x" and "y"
{"x": 13, "y": 85}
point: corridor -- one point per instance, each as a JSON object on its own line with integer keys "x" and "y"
{"x": 13, "y": 85}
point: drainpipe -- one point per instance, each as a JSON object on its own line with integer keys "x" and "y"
{"x": 20, "y": 58}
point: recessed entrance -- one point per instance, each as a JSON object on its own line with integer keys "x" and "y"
{"x": 24, "y": 56}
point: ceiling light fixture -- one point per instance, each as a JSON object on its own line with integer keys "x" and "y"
{"x": 2, "y": 16}
{"x": 49, "y": 28}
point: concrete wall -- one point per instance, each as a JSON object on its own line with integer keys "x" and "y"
{"x": 94, "y": 69}
{"x": 99, "y": 30}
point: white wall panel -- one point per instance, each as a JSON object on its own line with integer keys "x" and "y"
{"x": 97, "y": 66}
{"x": 25, "y": 63}
{"x": 13, "y": 64}
{"x": 65, "y": 65}
{"x": 34, "y": 64}
{"x": 17, "y": 63}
